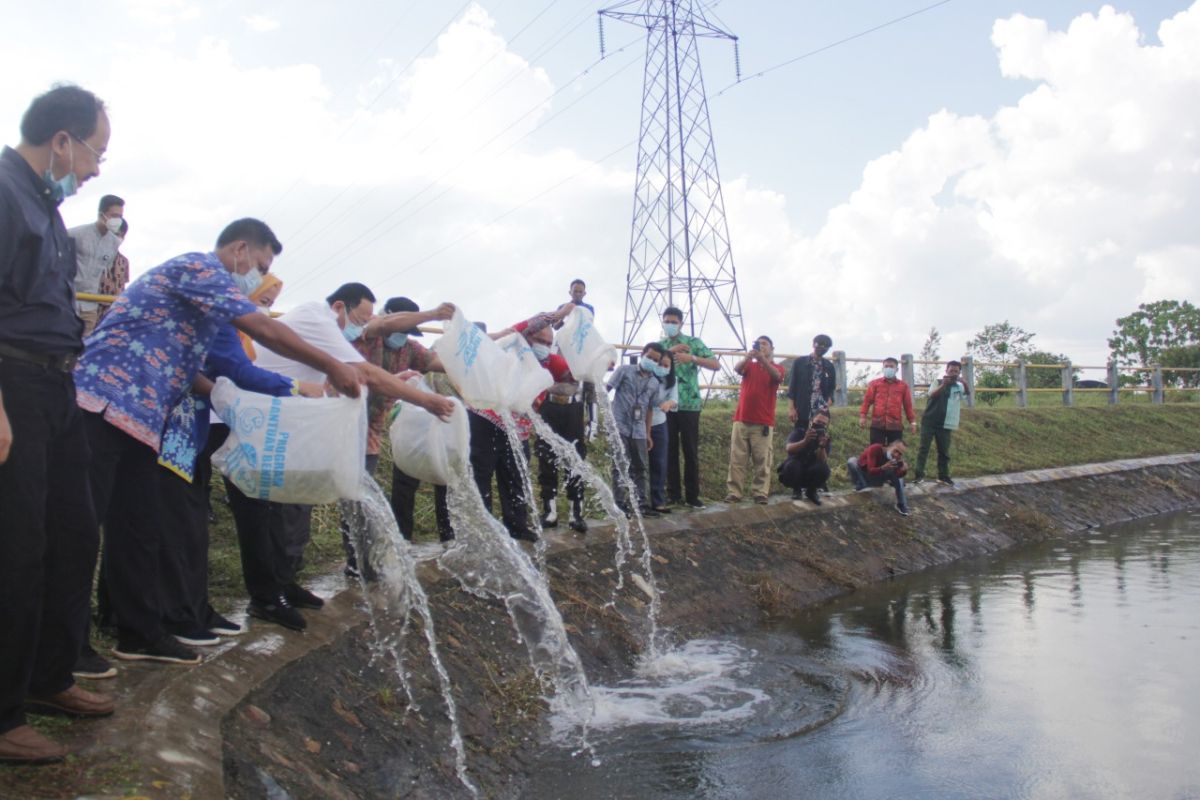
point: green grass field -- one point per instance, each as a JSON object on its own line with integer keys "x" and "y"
{"x": 991, "y": 440}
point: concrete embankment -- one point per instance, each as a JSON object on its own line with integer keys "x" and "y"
{"x": 319, "y": 716}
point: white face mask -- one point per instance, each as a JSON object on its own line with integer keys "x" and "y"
{"x": 889, "y": 372}
{"x": 113, "y": 224}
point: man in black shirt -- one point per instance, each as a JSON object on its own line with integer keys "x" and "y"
{"x": 810, "y": 387}
{"x": 50, "y": 538}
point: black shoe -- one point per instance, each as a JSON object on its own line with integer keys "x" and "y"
{"x": 197, "y": 638}
{"x": 813, "y": 497}
{"x": 351, "y": 571}
{"x": 93, "y": 666}
{"x": 223, "y": 627}
{"x": 917, "y": 480}
{"x": 797, "y": 494}
{"x": 524, "y": 535}
{"x": 946, "y": 481}
{"x": 299, "y": 597}
{"x": 648, "y": 512}
{"x": 903, "y": 510}
{"x": 279, "y": 611}
{"x": 579, "y": 524}
{"x": 663, "y": 509}
{"x": 165, "y": 651}
{"x": 695, "y": 505}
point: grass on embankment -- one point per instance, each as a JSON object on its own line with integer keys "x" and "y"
{"x": 990, "y": 441}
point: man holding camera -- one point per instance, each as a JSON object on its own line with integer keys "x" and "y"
{"x": 940, "y": 418}
{"x": 754, "y": 422}
{"x": 880, "y": 464}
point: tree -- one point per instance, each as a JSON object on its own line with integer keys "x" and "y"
{"x": 1141, "y": 338}
{"x": 1188, "y": 357}
{"x": 999, "y": 342}
{"x": 1045, "y": 378}
{"x": 929, "y": 352}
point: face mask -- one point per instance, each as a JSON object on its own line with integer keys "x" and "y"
{"x": 647, "y": 364}
{"x": 661, "y": 371}
{"x": 248, "y": 282}
{"x": 352, "y": 331}
{"x": 113, "y": 224}
{"x": 540, "y": 351}
{"x": 65, "y": 186}
{"x": 671, "y": 329}
{"x": 396, "y": 340}
{"x": 889, "y": 372}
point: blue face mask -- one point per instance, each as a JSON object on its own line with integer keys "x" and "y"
{"x": 889, "y": 372}
{"x": 661, "y": 371}
{"x": 396, "y": 340}
{"x": 671, "y": 329}
{"x": 540, "y": 351}
{"x": 352, "y": 331}
{"x": 248, "y": 282}
{"x": 65, "y": 186}
{"x": 647, "y": 364}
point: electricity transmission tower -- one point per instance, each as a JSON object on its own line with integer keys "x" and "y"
{"x": 679, "y": 252}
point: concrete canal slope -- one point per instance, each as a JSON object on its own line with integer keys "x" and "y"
{"x": 277, "y": 714}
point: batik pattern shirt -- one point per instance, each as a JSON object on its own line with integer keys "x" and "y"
{"x": 413, "y": 355}
{"x": 146, "y": 351}
{"x": 688, "y": 375}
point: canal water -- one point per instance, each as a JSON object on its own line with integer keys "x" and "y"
{"x": 1070, "y": 669}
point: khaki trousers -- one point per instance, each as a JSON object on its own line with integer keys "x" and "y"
{"x": 750, "y": 449}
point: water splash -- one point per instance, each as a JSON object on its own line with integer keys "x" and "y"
{"x": 393, "y": 597}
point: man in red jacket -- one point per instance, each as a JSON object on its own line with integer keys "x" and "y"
{"x": 880, "y": 464}
{"x": 890, "y": 402}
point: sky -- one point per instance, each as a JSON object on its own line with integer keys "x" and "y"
{"x": 984, "y": 160}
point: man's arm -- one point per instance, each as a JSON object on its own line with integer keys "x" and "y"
{"x": 6, "y": 434}
{"x": 388, "y": 324}
{"x": 865, "y": 408}
{"x": 906, "y": 400}
{"x": 392, "y": 386}
{"x": 284, "y": 341}
{"x": 740, "y": 367}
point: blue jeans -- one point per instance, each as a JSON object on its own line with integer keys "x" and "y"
{"x": 861, "y": 482}
{"x": 658, "y": 466}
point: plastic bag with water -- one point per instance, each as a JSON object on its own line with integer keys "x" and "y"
{"x": 425, "y": 447}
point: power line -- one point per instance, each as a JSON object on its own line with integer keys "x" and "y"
{"x": 339, "y": 258}
{"x": 832, "y": 45}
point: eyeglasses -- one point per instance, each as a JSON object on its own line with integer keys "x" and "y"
{"x": 92, "y": 150}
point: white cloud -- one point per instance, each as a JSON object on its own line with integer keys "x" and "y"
{"x": 260, "y": 23}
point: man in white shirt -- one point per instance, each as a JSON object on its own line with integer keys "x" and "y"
{"x": 95, "y": 251}
{"x": 273, "y": 535}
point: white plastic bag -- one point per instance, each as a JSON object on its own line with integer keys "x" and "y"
{"x": 586, "y": 351}
{"x": 425, "y": 447}
{"x": 487, "y": 375}
{"x": 292, "y": 449}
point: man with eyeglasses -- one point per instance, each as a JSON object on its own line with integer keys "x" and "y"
{"x": 50, "y": 539}
{"x": 95, "y": 253}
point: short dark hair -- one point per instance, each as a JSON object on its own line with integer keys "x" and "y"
{"x": 889, "y": 358}
{"x": 764, "y": 336}
{"x": 578, "y": 281}
{"x": 351, "y": 294}
{"x": 673, "y": 311}
{"x": 822, "y": 339}
{"x": 954, "y": 364}
{"x": 110, "y": 200}
{"x": 655, "y": 346}
{"x": 65, "y": 107}
{"x": 252, "y": 231}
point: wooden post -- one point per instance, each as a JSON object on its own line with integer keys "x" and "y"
{"x": 1114, "y": 383}
{"x": 1022, "y": 385}
{"x": 968, "y": 373}
{"x": 907, "y": 373}
{"x": 841, "y": 394}
{"x": 1157, "y": 384}
{"x": 1068, "y": 385}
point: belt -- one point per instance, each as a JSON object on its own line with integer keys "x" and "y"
{"x": 58, "y": 363}
{"x": 562, "y": 399}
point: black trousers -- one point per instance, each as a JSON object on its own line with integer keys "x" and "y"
{"x": 803, "y": 473}
{"x": 491, "y": 454}
{"x": 124, "y": 475}
{"x": 271, "y": 538}
{"x": 567, "y": 421}
{"x": 404, "y": 499}
{"x": 683, "y": 433}
{"x": 183, "y": 558}
{"x": 885, "y": 437}
{"x": 48, "y": 537}
{"x": 942, "y": 438}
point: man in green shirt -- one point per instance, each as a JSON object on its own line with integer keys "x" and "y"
{"x": 683, "y": 424}
{"x": 940, "y": 418}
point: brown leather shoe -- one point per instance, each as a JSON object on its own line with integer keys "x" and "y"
{"x": 24, "y": 745}
{"x": 75, "y": 701}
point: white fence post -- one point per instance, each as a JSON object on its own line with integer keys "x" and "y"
{"x": 1114, "y": 383}
{"x": 841, "y": 395}
{"x": 1022, "y": 384}
{"x": 968, "y": 371}
{"x": 1157, "y": 384}
{"x": 1068, "y": 384}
